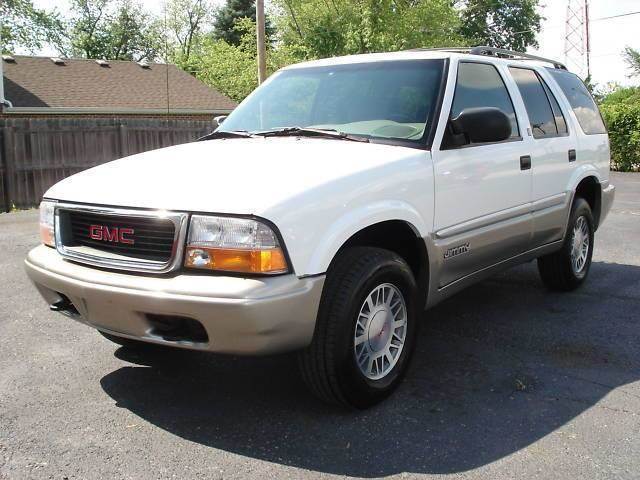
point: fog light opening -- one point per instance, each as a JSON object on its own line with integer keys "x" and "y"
{"x": 177, "y": 329}
{"x": 64, "y": 306}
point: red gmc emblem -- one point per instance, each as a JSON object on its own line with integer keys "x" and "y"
{"x": 111, "y": 234}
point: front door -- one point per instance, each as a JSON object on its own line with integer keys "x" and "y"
{"x": 482, "y": 191}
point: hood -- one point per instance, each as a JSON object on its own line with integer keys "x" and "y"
{"x": 240, "y": 176}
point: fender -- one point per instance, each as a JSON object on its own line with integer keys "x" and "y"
{"x": 351, "y": 223}
{"x": 583, "y": 171}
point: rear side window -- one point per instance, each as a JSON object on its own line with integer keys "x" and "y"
{"x": 543, "y": 122}
{"x": 480, "y": 85}
{"x": 561, "y": 123}
{"x": 581, "y": 102}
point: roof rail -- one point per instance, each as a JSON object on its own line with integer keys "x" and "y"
{"x": 497, "y": 52}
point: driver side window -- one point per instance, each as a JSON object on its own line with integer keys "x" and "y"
{"x": 479, "y": 85}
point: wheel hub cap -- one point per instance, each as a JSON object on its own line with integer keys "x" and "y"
{"x": 579, "y": 245}
{"x": 381, "y": 330}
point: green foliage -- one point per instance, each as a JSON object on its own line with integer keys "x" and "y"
{"x": 226, "y": 19}
{"x": 23, "y": 25}
{"x": 232, "y": 69}
{"x": 621, "y": 111}
{"x": 623, "y": 95}
{"x": 113, "y": 29}
{"x": 320, "y": 28}
{"x": 187, "y": 24}
{"x": 511, "y": 24}
{"x": 632, "y": 58}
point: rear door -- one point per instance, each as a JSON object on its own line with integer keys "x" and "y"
{"x": 553, "y": 155}
{"x": 482, "y": 191}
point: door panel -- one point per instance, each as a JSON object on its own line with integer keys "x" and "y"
{"x": 486, "y": 186}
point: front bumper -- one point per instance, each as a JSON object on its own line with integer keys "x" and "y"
{"x": 240, "y": 315}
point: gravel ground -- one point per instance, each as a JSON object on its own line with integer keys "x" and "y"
{"x": 509, "y": 381}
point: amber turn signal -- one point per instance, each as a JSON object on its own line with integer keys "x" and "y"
{"x": 270, "y": 260}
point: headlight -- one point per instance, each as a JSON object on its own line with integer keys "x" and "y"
{"x": 47, "y": 232}
{"x": 233, "y": 245}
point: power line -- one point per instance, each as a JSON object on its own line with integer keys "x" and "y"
{"x": 591, "y": 20}
{"x": 628, "y": 14}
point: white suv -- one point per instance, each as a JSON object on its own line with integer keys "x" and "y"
{"x": 336, "y": 203}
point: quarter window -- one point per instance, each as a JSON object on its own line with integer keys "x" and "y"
{"x": 480, "y": 85}
{"x": 543, "y": 110}
{"x": 581, "y": 102}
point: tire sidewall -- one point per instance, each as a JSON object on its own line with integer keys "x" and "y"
{"x": 361, "y": 390}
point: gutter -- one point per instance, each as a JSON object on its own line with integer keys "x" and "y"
{"x": 110, "y": 111}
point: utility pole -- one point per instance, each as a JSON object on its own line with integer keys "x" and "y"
{"x": 262, "y": 50}
{"x": 588, "y": 35}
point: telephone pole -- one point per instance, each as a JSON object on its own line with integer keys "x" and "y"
{"x": 262, "y": 49}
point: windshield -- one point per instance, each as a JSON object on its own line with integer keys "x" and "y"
{"x": 383, "y": 100}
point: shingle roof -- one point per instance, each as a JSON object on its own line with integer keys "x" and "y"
{"x": 122, "y": 85}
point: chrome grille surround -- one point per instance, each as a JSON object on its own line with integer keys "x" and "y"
{"x": 122, "y": 262}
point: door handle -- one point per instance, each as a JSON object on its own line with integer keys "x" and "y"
{"x": 525, "y": 162}
{"x": 572, "y": 155}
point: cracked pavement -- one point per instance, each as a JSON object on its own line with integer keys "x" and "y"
{"x": 508, "y": 381}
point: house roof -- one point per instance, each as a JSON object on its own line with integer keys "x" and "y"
{"x": 79, "y": 85}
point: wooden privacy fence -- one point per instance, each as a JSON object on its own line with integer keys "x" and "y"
{"x": 37, "y": 153}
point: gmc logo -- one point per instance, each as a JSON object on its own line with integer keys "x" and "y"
{"x": 112, "y": 234}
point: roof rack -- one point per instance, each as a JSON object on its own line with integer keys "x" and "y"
{"x": 497, "y": 52}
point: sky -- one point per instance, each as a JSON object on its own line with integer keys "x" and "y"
{"x": 608, "y": 36}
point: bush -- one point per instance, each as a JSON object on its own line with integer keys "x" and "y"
{"x": 623, "y": 121}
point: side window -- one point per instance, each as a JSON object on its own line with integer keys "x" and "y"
{"x": 581, "y": 102}
{"x": 480, "y": 85}
{"x": 537, "y": 100}
{"x": 561, "y": 123}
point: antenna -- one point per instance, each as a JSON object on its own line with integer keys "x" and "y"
{"x": 577, "y": 44}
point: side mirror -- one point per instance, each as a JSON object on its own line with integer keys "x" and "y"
{"x": 482, "y": 125}
{"x": 220, "y": 119}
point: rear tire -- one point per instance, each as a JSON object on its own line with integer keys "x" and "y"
{"x": 568, "y": 268}
{"x": 365, "y": 329}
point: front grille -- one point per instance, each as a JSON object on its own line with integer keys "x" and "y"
{"x": 130, "y": 236}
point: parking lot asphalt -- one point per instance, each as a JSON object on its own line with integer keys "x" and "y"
{"x": 508, "y": 381}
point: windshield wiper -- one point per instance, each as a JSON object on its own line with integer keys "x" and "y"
{"x": 226, "y": 134}
{"x": 311, "y": 132}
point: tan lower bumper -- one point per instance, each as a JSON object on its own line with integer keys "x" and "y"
{"x": 240, "y": 315}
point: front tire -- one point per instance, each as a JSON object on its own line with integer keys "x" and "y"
{"x": 568, "y": 268}
{"x": 365, "y": 330}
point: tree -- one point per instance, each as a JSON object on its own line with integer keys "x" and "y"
{"x": 113, "y": 29}
{"x": 187, "y": 21}
{"x": 226, "y": 19}
{"x": 25, "y": 26}
{"x": 320, "y": 28}
{"x": 232, "y": 69}
{"x": 510, "y": 24}
{"x": 632, "y": 58}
